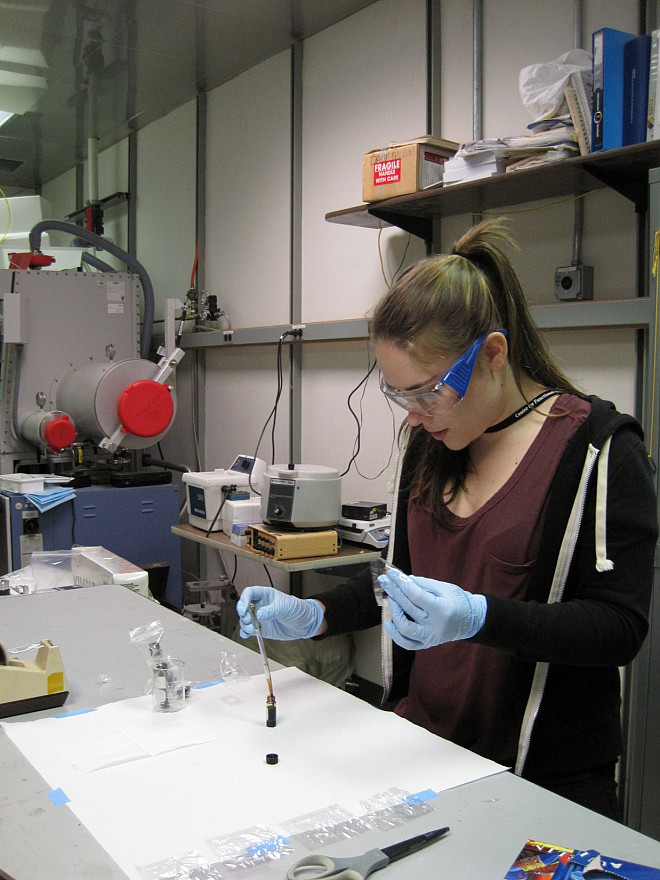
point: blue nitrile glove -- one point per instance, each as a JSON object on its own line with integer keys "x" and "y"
{"x": 426, "y": 613}
{"x": 281, "y": 616}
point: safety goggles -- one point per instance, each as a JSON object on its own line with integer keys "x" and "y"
{"x": 446, "y": 391}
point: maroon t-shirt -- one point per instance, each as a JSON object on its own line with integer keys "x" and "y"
{"x": 468, "y": 693}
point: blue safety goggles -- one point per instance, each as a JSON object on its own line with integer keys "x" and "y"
{"x": 448, "y": 390}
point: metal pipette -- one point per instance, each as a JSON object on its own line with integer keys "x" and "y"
{"x": 271, "y": 718}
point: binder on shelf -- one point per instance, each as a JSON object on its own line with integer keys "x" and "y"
{"x": 608, "y": 75}
{"x": 636, "y": 63}
{"x": 579, "y": 107}
{"x": 653, "y": 114}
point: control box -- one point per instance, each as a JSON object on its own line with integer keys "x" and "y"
{"x": 292, "y": 545}
{"x": 364, "y": 510}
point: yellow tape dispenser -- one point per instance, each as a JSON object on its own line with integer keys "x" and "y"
{"x": 32, "y": 685}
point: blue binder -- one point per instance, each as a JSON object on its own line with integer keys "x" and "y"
{"x": 608, "y": 70}
{"x": 636, "y": 64}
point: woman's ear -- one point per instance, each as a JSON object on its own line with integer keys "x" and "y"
{"x": 497, "y": 351}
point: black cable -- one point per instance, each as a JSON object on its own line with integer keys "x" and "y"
{"x": 356, "y": 446}
{"x": 392, "y": 447}
{"x": 179, "y": 334}
{"x": 149, "y": 461}
{"x": 358, "y": 438}
{"x": 405, "y": 251}
{"x": 226, "y": 490}
{"x": 273, "y": 413}
{"x": 280, "y": 388}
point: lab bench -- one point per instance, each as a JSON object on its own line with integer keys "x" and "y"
{"x": 490, "y": 818}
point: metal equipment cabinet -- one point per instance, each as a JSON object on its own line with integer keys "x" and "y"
{"x": 132, "y": 521}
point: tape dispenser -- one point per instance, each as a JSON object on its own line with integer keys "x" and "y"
{"x": 32, "y": 685}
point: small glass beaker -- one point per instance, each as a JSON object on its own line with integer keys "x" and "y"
{"x": 169, "y": 685}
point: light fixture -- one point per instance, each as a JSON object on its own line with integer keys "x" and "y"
{"x": 23, "y": 80}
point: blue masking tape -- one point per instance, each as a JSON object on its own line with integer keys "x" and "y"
{"x": 210, "y": 684}
{"x": 272, "y": 845}
{"x": 421, "y": 796}
{"x": 71, "y": 714}
{"x": 58, "y": 797}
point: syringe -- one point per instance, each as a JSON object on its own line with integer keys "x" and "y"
{"x": 271, "y": 709}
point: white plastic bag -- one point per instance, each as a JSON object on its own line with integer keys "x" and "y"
{"x": 542, "y": 86}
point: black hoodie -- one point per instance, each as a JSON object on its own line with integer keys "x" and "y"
{"x": 572, "y": 638}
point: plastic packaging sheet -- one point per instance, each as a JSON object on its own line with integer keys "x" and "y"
{"x": 250, "y": 847}
{"x": 384, "y": 811}
{"x": 189, "y": 866}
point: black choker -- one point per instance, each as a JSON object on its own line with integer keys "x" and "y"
{"x": 519, "y": 413}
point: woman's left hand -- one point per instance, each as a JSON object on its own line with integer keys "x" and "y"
{"x": 426, "y": 612}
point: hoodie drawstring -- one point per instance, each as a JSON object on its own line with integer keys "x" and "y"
{"x": 602, "y": 562}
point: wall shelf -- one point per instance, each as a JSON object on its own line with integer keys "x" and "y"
{"x": 624, "y": 170}
{"x": 317, "y": 331}
{"x": 633, "y": 313}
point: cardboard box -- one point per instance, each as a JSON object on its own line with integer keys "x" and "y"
{"x": 403, "y": 168}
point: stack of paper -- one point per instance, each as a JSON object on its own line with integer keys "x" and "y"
{"x": 472, "y": 166}
{"x": 487, "y": 157}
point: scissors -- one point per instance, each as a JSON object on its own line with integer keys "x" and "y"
{"x": 359, "y": 867}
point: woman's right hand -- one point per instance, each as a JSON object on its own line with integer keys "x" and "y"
{"x": 281, "y": 616}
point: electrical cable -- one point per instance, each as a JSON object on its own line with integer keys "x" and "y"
{"x": 179, "y": 334}
{"x": 544, "y": 207}
{"x": 357, "y": 443}
{"x": 403, "y": 258}
{"x": 358, "y": 420}
{"x": 96, "y": 263}
{"x": 382, "y": 261}
{"x": 392, "y": 447}
{"x": 194, "y": 394}
{"x": 273, "y": 413}
{"x": 194, "y": 267}
{"x": 148, "y": 460}
{"x": 226, "y": 491}
{"x": 280, "y": 388}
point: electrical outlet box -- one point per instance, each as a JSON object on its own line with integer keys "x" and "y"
{"x": 574, "y": 283}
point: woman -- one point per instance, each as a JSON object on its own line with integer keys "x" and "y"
{"x": 524, "y": 528}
